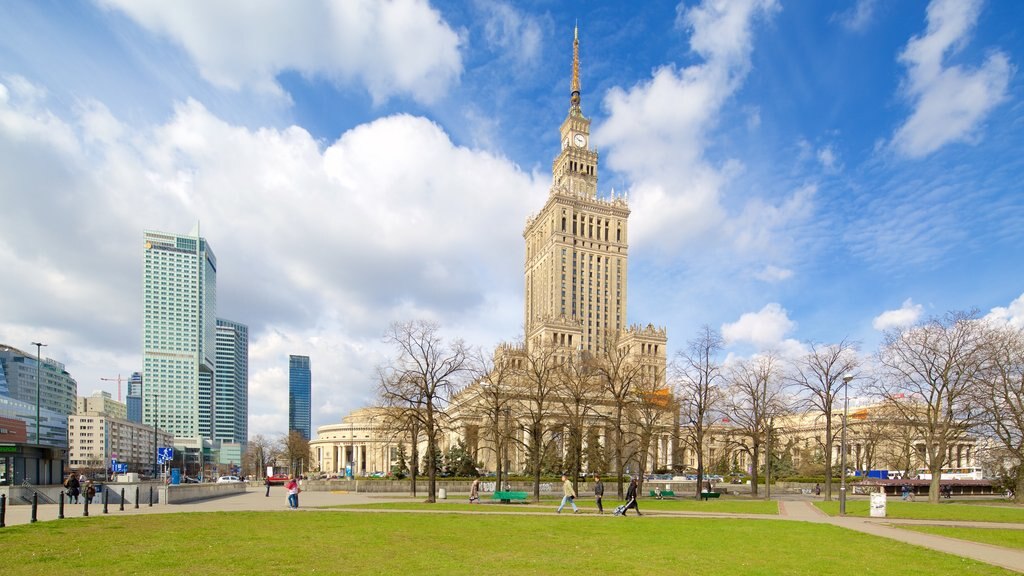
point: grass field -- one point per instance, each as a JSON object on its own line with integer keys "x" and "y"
{"x": 587, "y": 506}
{"x": 995, "y": 536}
{"x": 343, "y": 542}
{"x": 956, "y": 511}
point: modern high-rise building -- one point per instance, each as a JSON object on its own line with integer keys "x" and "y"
{"x": 231, "y": 389}
{"x": 179, "y": 333}
{"x": 133, "y": 399}
{"x": 577, "y": 251}
{"x": 58, "y": 391}
{"x": 300, "y": 395}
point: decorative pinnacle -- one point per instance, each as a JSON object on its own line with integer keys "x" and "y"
{"x": 574, "y": 87}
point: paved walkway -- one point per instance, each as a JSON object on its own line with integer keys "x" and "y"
{"x": 793, "y": 510}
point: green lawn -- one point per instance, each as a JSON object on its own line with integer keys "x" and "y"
{"x": 995, "y": 536}
{"x": 926, "y": 511}
{"x": 587, "y": 506}
{"x": 326, "y": 542}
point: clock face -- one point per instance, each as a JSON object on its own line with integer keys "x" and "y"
{"x": 579, "y": 140}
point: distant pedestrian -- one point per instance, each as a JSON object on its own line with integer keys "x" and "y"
{"x": 598, "y": 493}
{"x": 266, "y": 481}
{"x": 657, "y": 492}
{"x": 74, "y": 488}
{"x": 568, "y": 495}
{"x": 293, "y": 492}
{"x": 474, "y": 491}
{"x": 90, "y": 491}
{"x": 817, "y": 489}
{"x": 631, "y": 494}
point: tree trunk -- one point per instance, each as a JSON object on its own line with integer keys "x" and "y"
{"x": 1018, "y": 493}
{"x": 829, "y": 440}
{"x": 618, "y": 450}
{"x": 753, "y": 469}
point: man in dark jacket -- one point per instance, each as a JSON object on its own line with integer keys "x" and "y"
{"x": 631, "y": 498}
{"x": 598, "y": 493}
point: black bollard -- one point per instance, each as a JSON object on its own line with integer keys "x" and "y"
{"x": 150, "y": 496}
{"x": 122, "y": 499}
{"x": 86, "y": 500}
{"x": 136, "y": 497}
{"x": 105, "y": 491}
{"x": 60, "y": 506}
{"x": 3, "y": 510}
{"x": 35, "y": 505}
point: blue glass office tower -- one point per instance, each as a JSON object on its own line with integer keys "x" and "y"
{"x": 134, "y": 398}
{"x": 300, "y": 395}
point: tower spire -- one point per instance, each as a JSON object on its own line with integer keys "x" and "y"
{"x": 574, "y": 87}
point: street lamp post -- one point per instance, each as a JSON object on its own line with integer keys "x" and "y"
{"x": 39, "y": 347}
{"x": 842, "y": 444}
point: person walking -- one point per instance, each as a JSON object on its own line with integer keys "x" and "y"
{"x": 631, "y": 494}
{"x": 74, "y": 488}
{"x": 293, "y": 492}
{"x": 598, "y": 493}
{"x": 90, "y": 491}
{"x": 568, "y": 495}
{"x": 817, "y": 489}
{"x": 474, "y": 491}
{"x": 266, "y": 480}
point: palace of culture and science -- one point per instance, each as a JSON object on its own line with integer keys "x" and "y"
{"x": 577, "y": 254}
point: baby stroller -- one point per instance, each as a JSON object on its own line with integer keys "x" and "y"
{"x": 620, "y": 510}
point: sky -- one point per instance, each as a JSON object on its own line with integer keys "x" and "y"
{"x": 797, "y": 171}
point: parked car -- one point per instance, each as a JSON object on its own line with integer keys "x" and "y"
{"x": 228, "y": 480}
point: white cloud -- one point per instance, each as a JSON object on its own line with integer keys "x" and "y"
{"x": 765, "y": 328}
{"x": 773, "y": 274}
{"x": 515, "y": 33}
{"x": 392, "y": 47}
{"x": 828, "y": 160}
{"x": 657, "y": 131}
{"x": 1012, "y": 314}
{"x": 906, "y": 315}
{"x": 950, "y": 102}
{"x": 858, "y": 17}
{"x": 318, "y": 249}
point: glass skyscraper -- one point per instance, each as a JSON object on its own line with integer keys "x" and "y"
{"x": 231, "y": 388}
{"x": 300, "y": 395}
{"x": 179, "y": 333}
{"x": 134, "y": 397}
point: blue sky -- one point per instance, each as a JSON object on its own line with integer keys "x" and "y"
{"x": 797, "y": 172}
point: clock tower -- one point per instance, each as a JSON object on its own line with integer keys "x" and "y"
{"x": 575, "y": 168}
{"x": 576, "y": 246}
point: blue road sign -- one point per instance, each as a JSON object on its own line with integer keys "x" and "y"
{"x": 164, "y": 455}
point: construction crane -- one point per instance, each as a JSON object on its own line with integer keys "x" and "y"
{"x": 118, "y": 380}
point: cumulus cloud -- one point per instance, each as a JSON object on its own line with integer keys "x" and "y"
{"x": 318, "y": 248}
{"x": 766, "y": 328}
{"x": 906, "y": 315}
{"x": 1012, "y": 314}
{"x": 949, "y": 101}
{"x": 657, "y": 131}
{"x": 391, "y": 47}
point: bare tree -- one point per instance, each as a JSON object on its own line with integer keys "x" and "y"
{"x": 578, "y": 389}
{"x": 420, "y": 379}
{"x": 929, "y": 372}
{"x": 295, "y": 448}
{"x": 755, "y": 400}
{"x": 401, "y": 423}
{"x": 618, "y": 370}
{"x": 1003, "y": 395}
{"x": 494, "y": 375}
{"x": 652, "y": 408}
{"x": 698, "y": 373}
{"x": 538, "y": 384}
{"x": 259, "y": 452}
{"x": 817, "y": 380}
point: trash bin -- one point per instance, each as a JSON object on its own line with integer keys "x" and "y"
{"x": 878, "y": 504}
{"x": 442, "y": 493}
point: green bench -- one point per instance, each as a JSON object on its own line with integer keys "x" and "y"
{"x": 664, "y": 494}
{"x": 706, "y": 495}
{"x": 508, "y": 497}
